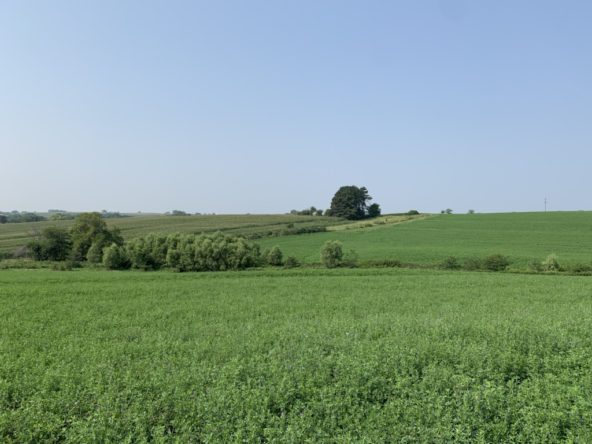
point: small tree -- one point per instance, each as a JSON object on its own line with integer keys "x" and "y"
{"x": 275, "y": 256}
{"x": 551, "y": 263}
{"x": 374, "y": 210}
{"x": 291, "y": 262}
{"x": 448, "y": 210}
{"x": 471, "y": 211}
{"x": 52, "y": 244}
{"x": 115, "y": 258}
{"x": 332, "y": 254}
{"x": 496, "y": 262}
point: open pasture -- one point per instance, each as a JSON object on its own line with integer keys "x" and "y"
{"x": 296, "y": 356}
{"x": 521, "y": 236}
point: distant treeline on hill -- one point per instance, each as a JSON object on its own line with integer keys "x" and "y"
{"x": 27, "y": 216}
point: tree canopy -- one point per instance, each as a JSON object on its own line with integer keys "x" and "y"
{"x": 351, "y": 202}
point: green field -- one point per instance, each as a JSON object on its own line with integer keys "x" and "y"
{"x": 521, "y": 236}
{"x": 15, "y": 235}
{"x": 294, "y": 356}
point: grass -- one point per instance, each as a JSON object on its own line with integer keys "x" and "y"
{"x": 521, "y": 236}
{"x": 13, "y": 236}
{"x": 294, "y": 356}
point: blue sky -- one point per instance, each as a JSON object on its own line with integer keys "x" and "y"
{"x": 265, "y": 106}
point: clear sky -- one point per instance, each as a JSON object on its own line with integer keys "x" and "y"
{"x": 264, "y": 106}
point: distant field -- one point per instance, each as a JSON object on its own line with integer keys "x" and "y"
{"x": 522, "y": 236}
{"x": 294, "y": 356}
{"x": 15, "y": 235}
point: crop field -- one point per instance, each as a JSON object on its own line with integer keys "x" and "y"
{"x": 521, "y": 236}
{"x": 17, "y": 234}
{"x": 295, "y": 356}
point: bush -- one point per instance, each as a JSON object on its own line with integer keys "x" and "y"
{"x": 382, "y": 263}
{"x": 412, "y": 213}
{"x": 291, "y": 262}
{"x": 115, "y": 258}
{"x": 95, "y": 253}
{"x": 274, "y": 256}
{"x": 450, "y": 263}
{"x": 534, "y": 266}
{"x": 496, "y": 262}
{"x": 473, "y": 264}
{"x": 581, "y": 268}
{"x": 350, "y": 259}
{"x": 189, "y": 252}
{"x": 551, "y": 263}
{"x": 332, "y": 254}
{"x": 53, "y": 244}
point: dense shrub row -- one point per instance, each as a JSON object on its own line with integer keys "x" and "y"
{"x": 184, "y": 252}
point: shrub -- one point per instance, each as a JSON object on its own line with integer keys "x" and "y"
{"x": 471, "y": 212}
{"x": 581, "y": 268}
{"x": 473, "y": 264}
{"x": 350, "y": 259}
{"x": 551, "y": 263}
{"x": 534, "y": 266}
{"x": 52, "y": 244}
{"x": 115, "y": 258}
{"x": 275, "y": 257}
{"x": 291, "y": 262}
{"x": 412, "y": 213}
{"x": 95, "y": 253}
{"x": 496, "y": 262}
{"x": 332, "y": 254}
{"x": 450, "y": 263}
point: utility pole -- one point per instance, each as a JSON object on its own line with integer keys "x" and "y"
{"x": 545, "y": 204}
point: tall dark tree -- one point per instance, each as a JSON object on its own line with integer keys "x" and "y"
{"x": 89, "y": 229}
{"x": 374, "y": 210}
{"x": 350, "y": 202}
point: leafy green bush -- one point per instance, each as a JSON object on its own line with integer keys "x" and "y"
{"x": 190, "y": 252}
{"x": 581, "y": 268}
{"x": 551, "y": 263}
{"x": 332, "y": 254}
{"x": 53, "y": 244}
{"x": 274, "y": 256}
{"x": 534, "y": 266}
{"x": 473, "y": 264}
{"x": 350, "y": 259}
{"x": 382, "y": 263}
{"x": 496, "y": 262}
{"x": 412, "y": 213}
{"x": 291, "y": 262}
{"x": 115, "y": 258}
{"x": 450, "y": 263}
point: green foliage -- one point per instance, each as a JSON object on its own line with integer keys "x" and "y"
{"x": 332, "y": 254}
{"x": 412, "y": 213}
{"x": 115, "y": 258}
{"x": 534, "y": 266}
{"x": 90, "y": 229}
{"x": 274, "y": 256}
{"x": 350, "y": 202}
{"x": 496, "y": 262}
{"x": 473, "y": 264}
{"x": 291, "y": 262}
{"x": 20, "y": 217}
{"x": 52, "y": 244}
{"x": 551, "y": 263}
{"x": 303, "y": 356}
{"x": 374, "y": 210}
{"x": 189, "y": 252}
{"x": 450, "y": 263}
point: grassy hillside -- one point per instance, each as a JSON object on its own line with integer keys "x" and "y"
{"x": 298, "y": 356}
{"x": 15, "y": 235}
{"x": 522, "y": 236}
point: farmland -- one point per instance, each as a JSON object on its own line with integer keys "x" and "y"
{"x": 521, "y": 236}
{"x": 296, "y": 356}
{"x": 15, "y": 235}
